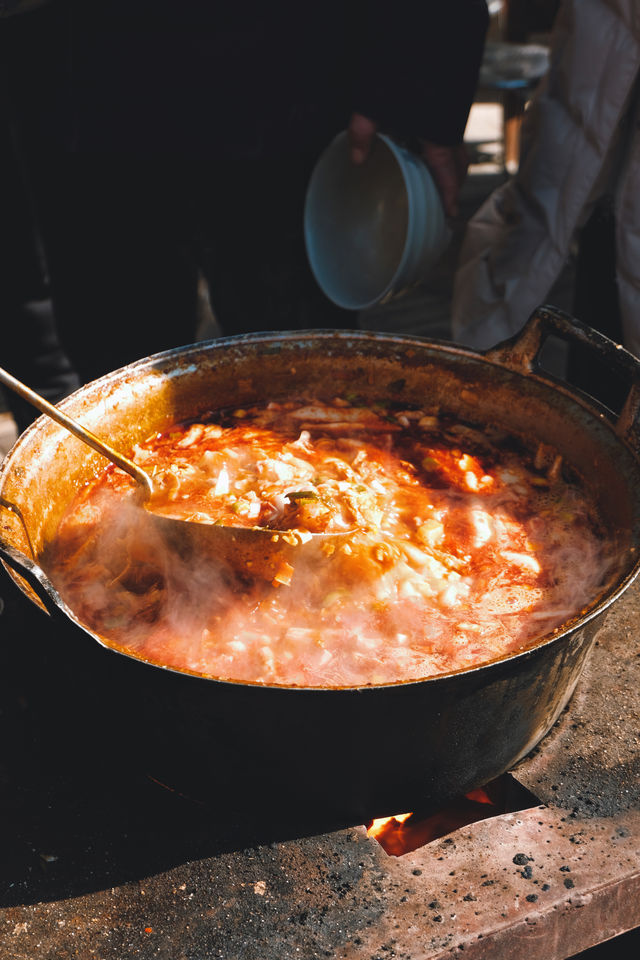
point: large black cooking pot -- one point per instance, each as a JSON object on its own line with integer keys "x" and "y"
{"x": 348, "y": 753}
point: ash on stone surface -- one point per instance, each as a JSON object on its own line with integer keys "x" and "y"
{"x": 589, "y": 764}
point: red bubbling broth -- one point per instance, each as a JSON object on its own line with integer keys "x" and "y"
{"x": 468, "y": 547}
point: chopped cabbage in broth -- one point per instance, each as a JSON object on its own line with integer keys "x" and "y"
{"x": 466, "y": 546}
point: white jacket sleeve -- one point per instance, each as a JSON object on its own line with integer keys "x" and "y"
{"x": 517, "y": 244}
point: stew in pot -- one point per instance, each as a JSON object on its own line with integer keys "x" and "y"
{"x": 467, "y": 546}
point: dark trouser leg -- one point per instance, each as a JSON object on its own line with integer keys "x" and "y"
{"x": 123, "y": 279}
{"x": 29, "y": 345}
{"x": 596, "y": 303}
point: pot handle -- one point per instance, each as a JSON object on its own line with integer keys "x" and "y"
{"x": 34, "y": 576}
{"x": 521, "y": 353}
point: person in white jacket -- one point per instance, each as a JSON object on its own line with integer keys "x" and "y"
{"x": 580, "y": 143}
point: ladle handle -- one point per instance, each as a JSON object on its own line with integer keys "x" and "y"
{"x": 140, "y": 476}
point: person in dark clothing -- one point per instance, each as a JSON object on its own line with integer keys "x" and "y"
{"x": 29, "y": 346}
{"x": 191, "y": 132}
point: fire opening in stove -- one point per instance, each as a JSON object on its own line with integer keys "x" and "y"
{"x": 404, "y": 832}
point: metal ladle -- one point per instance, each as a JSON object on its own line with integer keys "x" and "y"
{"x": 256, "y": 551}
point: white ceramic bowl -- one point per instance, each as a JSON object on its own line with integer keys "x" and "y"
{"x": 371, "y": 231}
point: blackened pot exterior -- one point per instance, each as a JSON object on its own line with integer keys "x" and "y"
{"x": 348, "y": 754}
